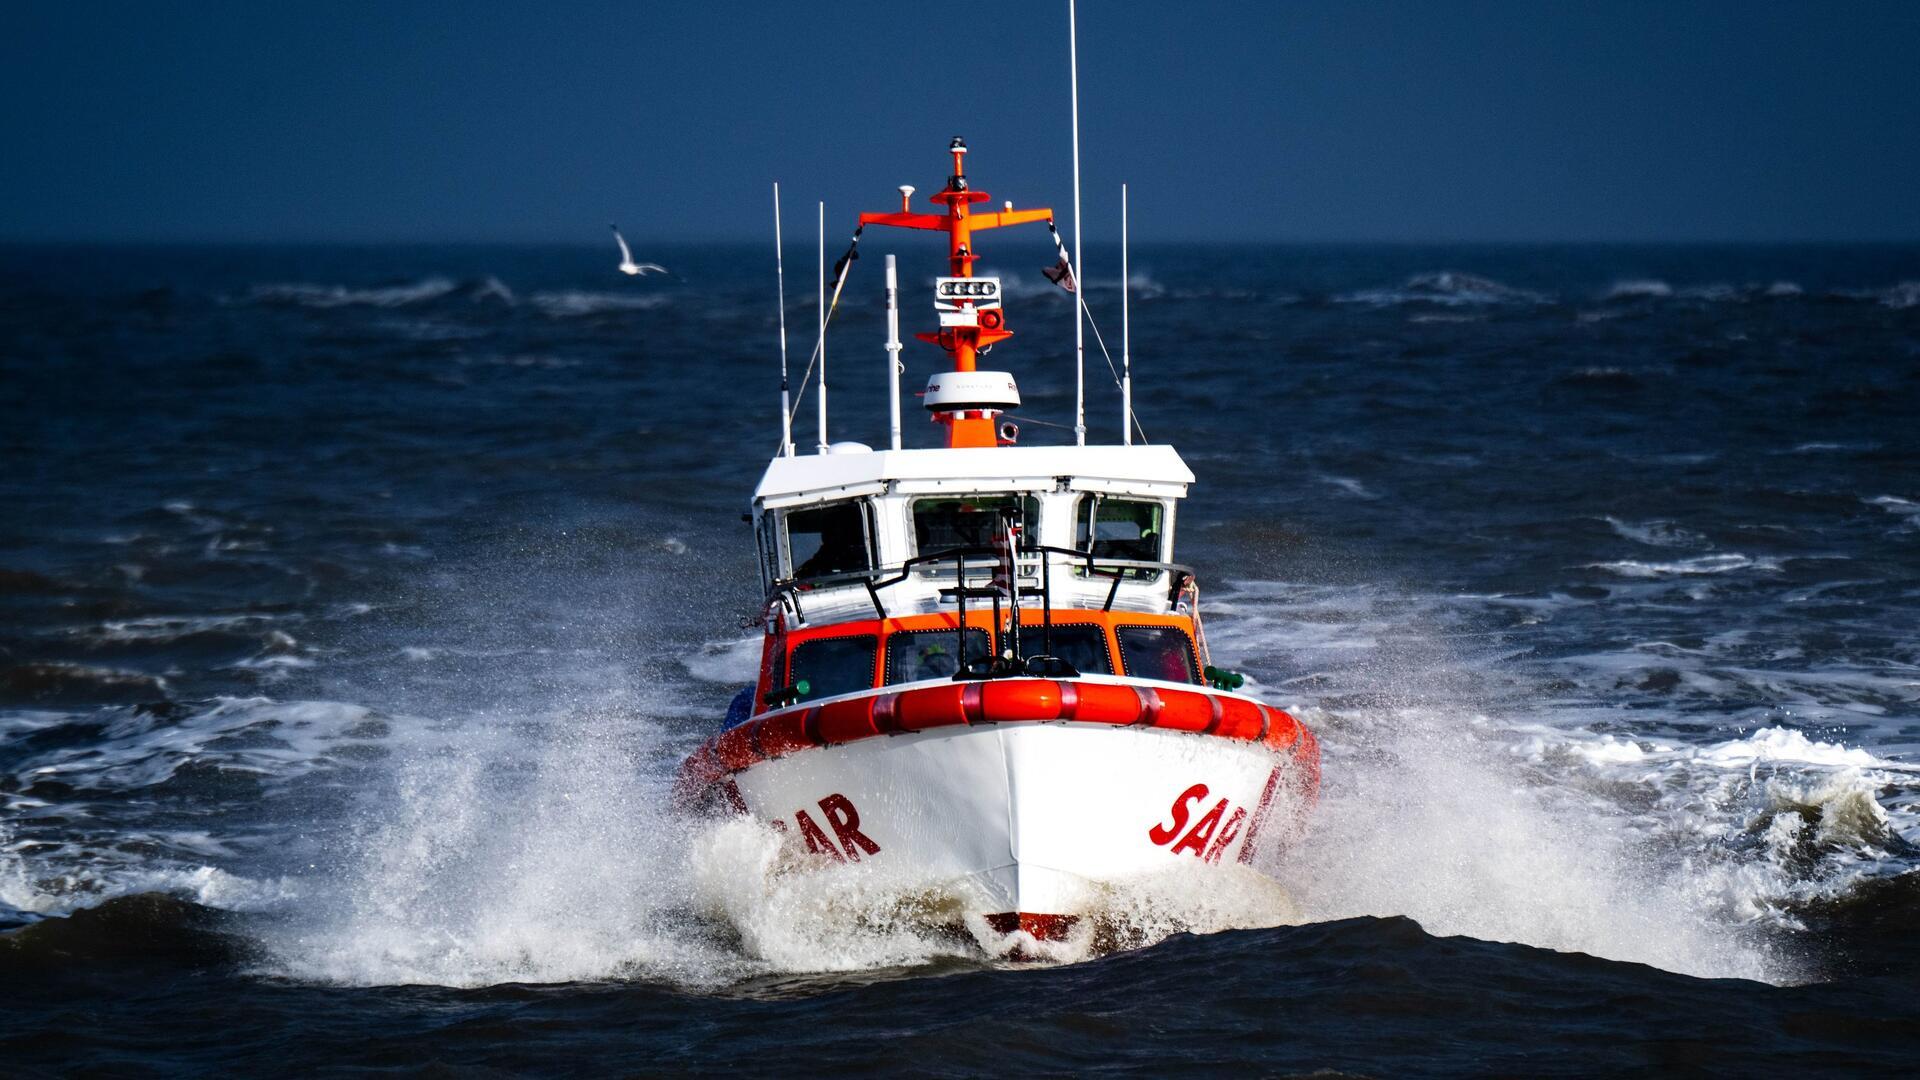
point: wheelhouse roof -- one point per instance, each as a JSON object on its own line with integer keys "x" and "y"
{"x": 1155, "y": 470}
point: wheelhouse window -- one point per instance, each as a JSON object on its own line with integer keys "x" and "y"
{"x": 1083, "y": 645}
{"x": 1120, "y": 528}
{"x": 1157, "y": 652}
{"x": 834, "y": 538}
{"x": 830, "y": 666}
{"x": 967, "y": 520}
{"x": 913, "y": 655}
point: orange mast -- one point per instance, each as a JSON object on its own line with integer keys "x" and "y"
{"x": 965, "y": 427}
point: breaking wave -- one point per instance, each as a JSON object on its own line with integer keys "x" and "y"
{"x": 1656, "y": 533}
{"x": 1448, "y": 288}
{"x": 575, "y": 303}
{"x": 387, "y": 296}
{"x": 559, "y": 303}
{"x": 1639, "y": 289}
{"x": 1722, "y": 563}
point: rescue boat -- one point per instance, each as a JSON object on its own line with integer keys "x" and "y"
{"x": 983, "y": 674}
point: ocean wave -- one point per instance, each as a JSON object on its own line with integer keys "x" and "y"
{"x": 143, "y": 746}
{"x": 1446, "y": 287}
{"x": 167, "y": 629}
{"x": 1829, "y": 448}
{"x": 49, "y": 682}
{"x": 1901, "y": 295}
{"x": 1795, "y": 822}
{"x": 1655, "y": 533}
{"x": 1906, "y": 509}
{"x": 1600, "y": 377}
{"x": 1778, "y": 744}
{"x": 1638, "y": 289}
{"x": 424, "y": 290}
{"x": 1904, "y": 295}
{"x": 1629, "y": 290}
{"x": 575, "y": 303}
{"x": 144, "y": 927}
{"x": 1722, "y": 563}
{"x": 1347, "y": 484}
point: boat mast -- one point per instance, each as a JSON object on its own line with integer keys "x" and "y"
{"x": 894, "y": 366}
{"x": 971, "y": 425}
{"x": 1126, "y": 333}
{"x": 780, "y": 271}
{"x": 823, "y": 327}
{"x": 1079, "y": 282}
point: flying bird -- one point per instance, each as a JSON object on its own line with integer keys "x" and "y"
{"x": 627, "y": 265}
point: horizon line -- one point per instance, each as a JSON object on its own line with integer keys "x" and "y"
{"x": 741, "y": 241}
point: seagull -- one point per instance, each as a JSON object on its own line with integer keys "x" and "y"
{"x": 627, "y": 265}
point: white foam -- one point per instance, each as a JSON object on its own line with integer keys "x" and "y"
{"x": 1347, "y": 484}
{"x": 1725, "y": 562}
{"x": 1904, "y": 295}
{"x": 1777, "y": 744}
{"x": 1425, "y": 824}
{"x": 1639, "y": 288}
{"x": 333, "y": 296}
{"x": 139, "y": 749}
{"x": 494, "y": 861}
{"x": 732, "y": 663}
{"x": 1907, "y": 509}
{"x": 574, "y": 303}
{"x": 1447, "y": 287}
{"x": 1656, "y": 533}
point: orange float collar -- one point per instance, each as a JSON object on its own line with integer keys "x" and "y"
{"x": 995, "y": 701}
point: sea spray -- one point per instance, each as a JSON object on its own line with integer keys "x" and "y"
{"x": 1424, "y": 813}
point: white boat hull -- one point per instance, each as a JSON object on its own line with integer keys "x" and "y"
{"x": 1027, "y": 826}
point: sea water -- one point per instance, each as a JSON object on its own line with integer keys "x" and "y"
{"x": 359, "y": 604}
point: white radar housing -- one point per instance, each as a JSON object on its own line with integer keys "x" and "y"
{"x": 952, "y": 391}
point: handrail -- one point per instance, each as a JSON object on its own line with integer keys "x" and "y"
{"x": 1095, "y": 565}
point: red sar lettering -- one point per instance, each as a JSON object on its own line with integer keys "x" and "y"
{"x": 845, "y": 821}
{"x": 1209, "y": 837}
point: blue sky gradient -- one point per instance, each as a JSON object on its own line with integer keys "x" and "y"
{"x": 1373, "y": 121}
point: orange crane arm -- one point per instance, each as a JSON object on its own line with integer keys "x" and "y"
{"x": 1008, "y": 217}
{"x": 936, "y": 222}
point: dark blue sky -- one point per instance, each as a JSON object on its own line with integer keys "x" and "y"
{"x": 1291, "y": 121}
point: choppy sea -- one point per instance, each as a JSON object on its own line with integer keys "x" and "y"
{"x": 356, "y": 605}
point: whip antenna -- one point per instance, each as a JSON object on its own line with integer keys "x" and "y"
{"x": 780, "y": 271}
{"x": 823, "y": 328}
{"x": 1126, "y": 332}
{"x": 1079, "y": 322}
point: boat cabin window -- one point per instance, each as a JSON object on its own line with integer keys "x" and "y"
{"x": 1081, "y": 644}
{"x": 1157, "y": 652}
{"x": 967, "y": 520}
{"x": 913, "y": 655}
{"x": 835, "y": 538}
{"x": 1120, "y": 528}
{"x": 830, "y": 666}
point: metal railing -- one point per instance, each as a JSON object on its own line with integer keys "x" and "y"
{"x": 1009, "y": 660}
